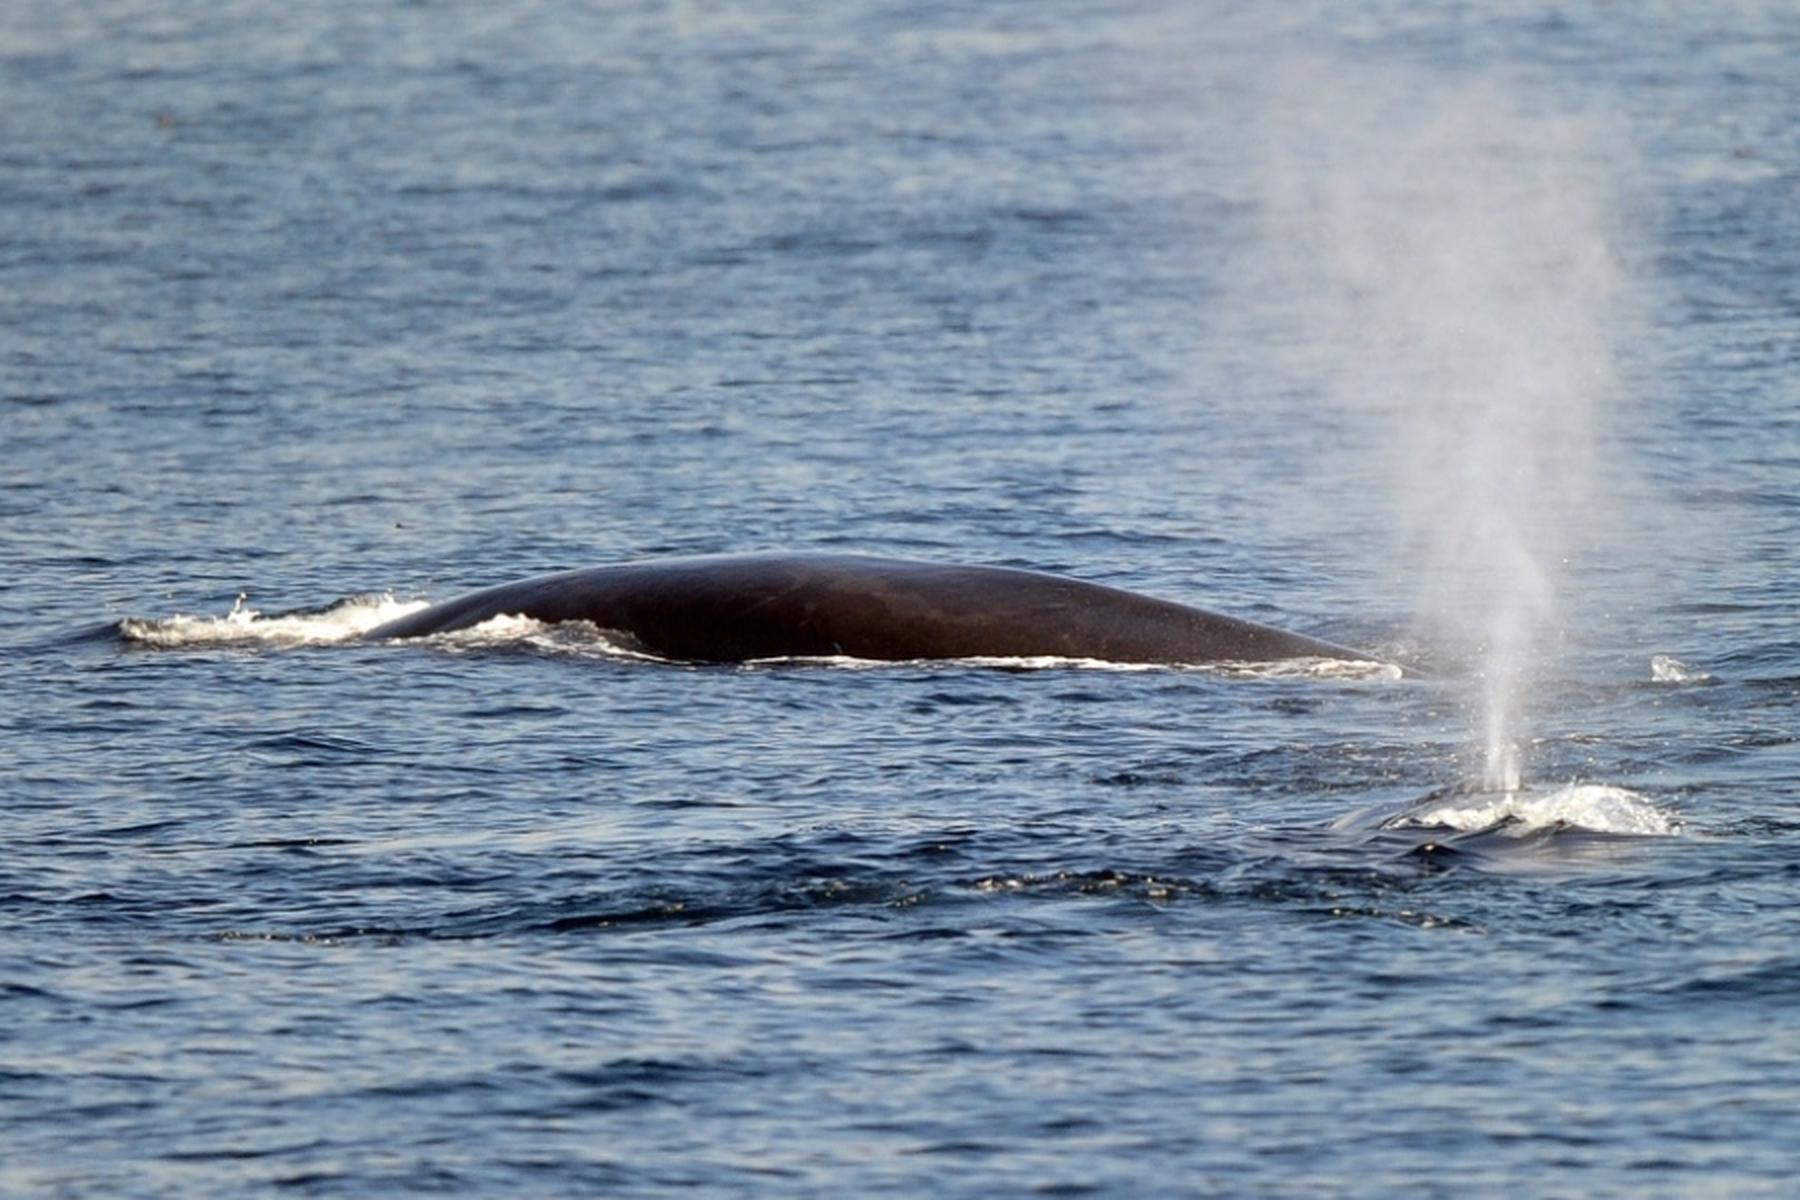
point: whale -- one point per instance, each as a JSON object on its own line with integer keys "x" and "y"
{"x": 748, "y": 607}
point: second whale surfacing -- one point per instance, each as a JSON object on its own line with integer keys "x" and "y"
{"x": 740, "y": 608}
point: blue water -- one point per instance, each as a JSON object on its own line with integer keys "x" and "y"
{"x": 333, "y": 300}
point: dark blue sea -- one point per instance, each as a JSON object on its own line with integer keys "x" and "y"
{"x": 1465, "y": 334}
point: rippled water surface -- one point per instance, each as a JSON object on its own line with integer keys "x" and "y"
{"x": 339, "y": 302}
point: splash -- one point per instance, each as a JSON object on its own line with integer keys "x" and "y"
{"x": 1665, "y": 669}
{"x": 245, "y": 626}
{"x": 1444, "y": 255}
{"x": 577, "y": 639}
{"x": 1597, "y": 808}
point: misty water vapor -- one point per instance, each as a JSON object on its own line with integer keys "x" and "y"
{"x": 1441, "y": 262}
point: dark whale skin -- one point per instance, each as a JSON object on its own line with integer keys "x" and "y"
{"x": 738, "y": 608}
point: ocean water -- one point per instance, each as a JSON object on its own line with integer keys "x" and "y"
{"x": 1465, "y": 334}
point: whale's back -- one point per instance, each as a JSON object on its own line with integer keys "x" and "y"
{"x": 744, "y": 607}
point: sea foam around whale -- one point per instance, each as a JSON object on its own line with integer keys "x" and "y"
{"x": 354, "y": 616}
{"x": 1594, "y": 807}
{"x": 244, "y": 625}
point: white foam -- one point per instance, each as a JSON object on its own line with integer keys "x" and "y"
{"x": 562, "y": 637}
{"x": 244, "y": 625}
{"x": 1666, "y": 669}
{"x": 1599, "y": 808}
{"x": 351, "y": 618}
{"x": 1295, "y": 668}
{"x": 1035, "y": 662}
{"x": 586, "y": 638}
{"x": 1308, "y": 668}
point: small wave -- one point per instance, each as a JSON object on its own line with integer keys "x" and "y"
{"x": 1667, "y": 669}
{"x": 584, "y": 638}
{"x": 1598, "y": 808}
{"x": 578, "y": 638}
{"x": 1308, "y": 668}
{"x": 244, "y": 625}
{"x": 1297, "y": 668}
{"x": 1040, "y": 662}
